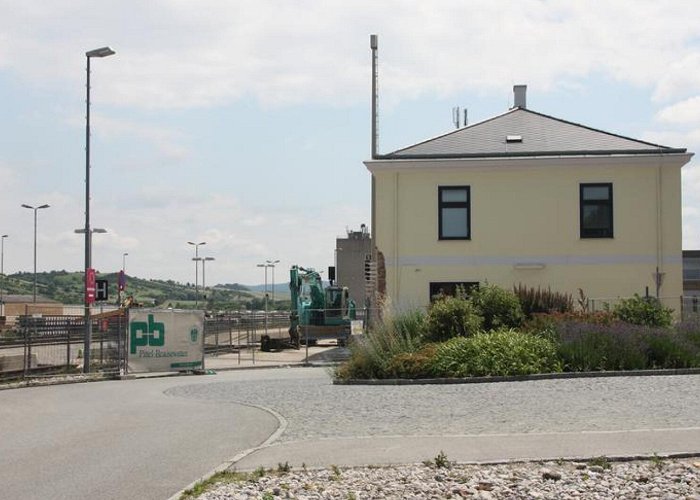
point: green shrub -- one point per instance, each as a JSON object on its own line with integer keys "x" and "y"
{"x": 499, "y": 307}
{"x": 625, "y": 346}
{"x": 371, "y": 355}
{"x": 543, "y": 301}
{"x": 647, "y": 311}
{"x": 501, "y": 352}
{"x": 412, "y": 365}
{"x": 451, "y": 317}
{"x": 591, "y": 347}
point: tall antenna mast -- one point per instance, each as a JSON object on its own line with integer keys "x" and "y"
{"x": 373, "y": 43}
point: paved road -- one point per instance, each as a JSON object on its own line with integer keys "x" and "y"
{"x": 149, "y": 438}
{"x": 118, "y": 440}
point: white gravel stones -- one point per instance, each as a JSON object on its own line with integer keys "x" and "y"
{"x": 662, "y": 479}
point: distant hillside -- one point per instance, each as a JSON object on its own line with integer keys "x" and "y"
{"x": 67, "y": 287}
{"x": 281, "y": 289}
{"x": 233, "y": 286}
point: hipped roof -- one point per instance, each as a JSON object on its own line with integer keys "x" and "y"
{"x": 541, "y": 135}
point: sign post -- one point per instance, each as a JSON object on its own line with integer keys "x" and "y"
{"x": 101, "y": 290}
{"x": 90, "y": 286}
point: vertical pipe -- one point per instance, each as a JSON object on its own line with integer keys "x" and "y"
{"x": 396, "y": 239}
{"x": 196, "y": 275}
{"x": 35, "y": 211}
{"x": 88, "y": 263}
{"x": 373, "y": 43}
{"x": 659, "y": 249}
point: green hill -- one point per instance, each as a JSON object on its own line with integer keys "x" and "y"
{"x": 67, "y": 287}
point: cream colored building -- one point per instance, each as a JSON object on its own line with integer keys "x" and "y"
{"x": 528, "y": 198}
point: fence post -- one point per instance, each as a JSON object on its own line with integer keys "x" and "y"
{"x": 682, "y": 307}
{"x": 216, "y": 338}
{"x": 68, "y": 332}
{"x": 27, "y": 351}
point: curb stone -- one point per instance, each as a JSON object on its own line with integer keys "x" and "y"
{"x": 519, "y": 378}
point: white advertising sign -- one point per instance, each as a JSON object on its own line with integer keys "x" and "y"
{"x": 165, "y": 340}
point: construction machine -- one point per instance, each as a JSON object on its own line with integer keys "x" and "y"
{"x": 319, "y": 313}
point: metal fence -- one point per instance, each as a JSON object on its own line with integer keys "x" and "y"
{"x": 36, "y": 345}
{"x": 242, "y": 330}
{"x": 684, "y": 307}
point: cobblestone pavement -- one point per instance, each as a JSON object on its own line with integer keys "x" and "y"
{"x": 315, "y": 408}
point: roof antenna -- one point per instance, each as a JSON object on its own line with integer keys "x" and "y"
{"x": 456, "y": 116}
{"x": 373, "y": 44}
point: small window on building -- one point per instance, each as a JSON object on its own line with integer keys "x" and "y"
{"x": 454, "y": 213}
{"x": 450, "y": 288}
{"x": 596, "y": 210}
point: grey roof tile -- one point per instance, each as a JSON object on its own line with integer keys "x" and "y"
{"x": 541, "y": 135}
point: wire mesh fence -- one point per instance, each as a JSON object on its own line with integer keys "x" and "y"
{"x": 33, "y": 345}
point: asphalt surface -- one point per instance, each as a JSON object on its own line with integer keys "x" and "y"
{"x": 149, "y": 438}
{"x": 117, "y": 440}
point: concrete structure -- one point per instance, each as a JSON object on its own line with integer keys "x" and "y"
{"x": 351, "y": 254}
{"x": 691, "y": 272}
{"x": 528, "y": 198}
{"x": 18, "y": 305}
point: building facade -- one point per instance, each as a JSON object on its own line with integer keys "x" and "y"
{"x": 526, "y": 198}
{"x": 352, "y": 253}
{"x": 691, "y": 273}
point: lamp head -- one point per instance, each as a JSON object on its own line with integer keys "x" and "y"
{"x": 101, "y": 52}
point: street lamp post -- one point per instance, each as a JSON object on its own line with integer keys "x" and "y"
{"x": 265, "y": 265}
{"x": 124, "y": 262}
{"x": 2, "y": 270}
{"x": 196, "y": 269}
{"x": 271, "y": 263}
{"x": 36, "y": 209}
{"x": 101, "y": 52}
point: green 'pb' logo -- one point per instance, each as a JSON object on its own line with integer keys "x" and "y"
{"x": 146, "y": 334}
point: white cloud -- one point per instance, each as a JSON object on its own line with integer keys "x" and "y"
{"x": 180, "y": 55}
{"x": 683, "y": 112}
{"x": 197, "y": 54}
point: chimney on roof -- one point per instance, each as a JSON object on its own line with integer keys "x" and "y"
{"x": 520, "y": 96}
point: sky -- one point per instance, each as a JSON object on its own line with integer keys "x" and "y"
{"x": 244, "y": 124}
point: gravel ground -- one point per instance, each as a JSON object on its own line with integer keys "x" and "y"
{"x": 314, "y": 408}
{"x": 662, "y": 479}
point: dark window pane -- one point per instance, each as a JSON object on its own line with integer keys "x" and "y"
{"x": 454, "y": 223}
{"x": 441, "y": 289}
{"x": 454, "y": 195}
{"x": 597, "y": 216}
{"x": 596, "y": 193}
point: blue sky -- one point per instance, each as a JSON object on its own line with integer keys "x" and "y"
{"x": 245, "y": 124}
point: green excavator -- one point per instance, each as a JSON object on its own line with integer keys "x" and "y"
{"x": 317, "y": 313}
